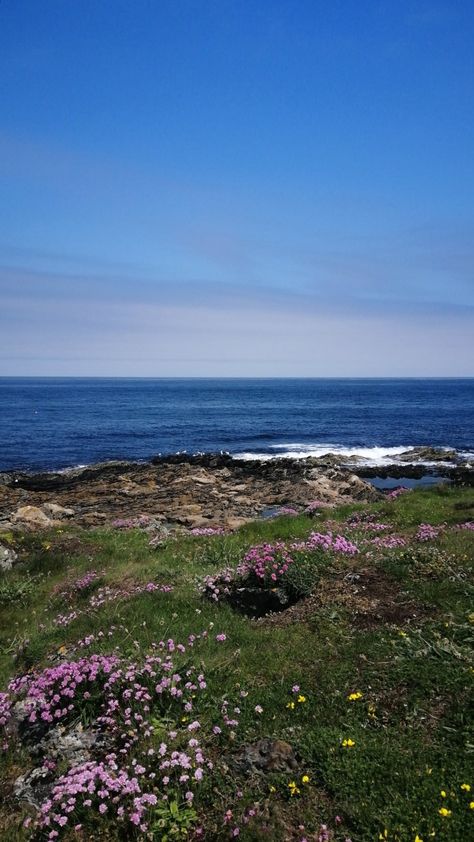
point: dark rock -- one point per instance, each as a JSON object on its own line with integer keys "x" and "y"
{"x": 258, "y": 602}
{"x": 428, "y": 454}
{"x": 266, "y": 755}
{"x": 34, "y": 786}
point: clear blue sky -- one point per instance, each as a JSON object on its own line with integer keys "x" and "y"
{"x": 236, "y": 187}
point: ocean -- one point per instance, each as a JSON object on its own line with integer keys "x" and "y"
{"x": 58, "y": 423}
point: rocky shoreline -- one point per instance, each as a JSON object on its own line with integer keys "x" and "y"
{"x": 191, "y": 491}
{"x": 195, "y": 491}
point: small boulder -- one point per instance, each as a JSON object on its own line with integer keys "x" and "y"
{"x": 58, "y": 512}
{"x": 266, "y": 756}
{"x": 8, "y": 557}
{"x": 31, "y": 516}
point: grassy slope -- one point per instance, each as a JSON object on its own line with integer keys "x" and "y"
{"x": 410, "y": 728}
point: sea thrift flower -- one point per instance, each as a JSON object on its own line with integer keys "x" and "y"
{"x": 427, "y": 532}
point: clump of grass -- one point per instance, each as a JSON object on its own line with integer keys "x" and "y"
{"x": 18, "y": 591}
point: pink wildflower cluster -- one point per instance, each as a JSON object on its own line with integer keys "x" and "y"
{"x": 102, "y": 787}
{"x": 265, "y": 565}
{"x": 5, "y": 716}
{"x": 328, "y": 541}
{"x": 204, "y": 531}
{"x": 288, "y": 510}
{"x": 268, "y": 562}
{"x": 105, "y": 595}
{"x": 218, "y": 585}
{"x": 127, "y": 700}
{"x": 389, "y": 542}
{"x": 314, "y": 505}
{"x": 427, "y": 532}
{"x": 366, "y": 523}
{"x": 84, "y": 582}
{"x": 395, "y": 492}
{"x": 55, "y": 693}
{"x": 468, "y": 525}
{"x": 63, "y": 620}
{"x": 108, "y": 594}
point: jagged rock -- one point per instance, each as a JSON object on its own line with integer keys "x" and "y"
{"x": 189, "y": 490}
{"x": 266, "y": 756}
{"x": 427, "y": 454}
{"x": 35, "y": 786}
{"x": 8, "y": 557}
{"x": 31, "y": 516}
{"x": 75, "y": 745}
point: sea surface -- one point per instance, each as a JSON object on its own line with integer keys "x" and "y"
{"x": 57, "y": 423}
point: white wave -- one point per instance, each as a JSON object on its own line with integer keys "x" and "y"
{"x": 370, "y": 456}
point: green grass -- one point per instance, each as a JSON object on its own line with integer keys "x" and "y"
{"x": 411, "y": 728}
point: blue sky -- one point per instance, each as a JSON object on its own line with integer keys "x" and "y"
{"x": 227, "y": 187}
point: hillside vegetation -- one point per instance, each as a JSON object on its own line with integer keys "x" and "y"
{"x": 142, "y": 702}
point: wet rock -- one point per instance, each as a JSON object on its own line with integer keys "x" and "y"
{"x": 266, "y": 755}
{"x": 8, "y": 557}
{"x": 427, "y": 454}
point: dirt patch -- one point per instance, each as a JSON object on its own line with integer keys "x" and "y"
{"x": 71, "y": 546}
{"x": 370, "y": 595}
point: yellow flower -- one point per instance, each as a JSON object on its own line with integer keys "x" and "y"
{"x": 348, "y": 743}
{"x": 443, "y": 811}
{"x": 443, "y": 793}
{"x": 384, "y": 835}
{"x": 471, "y": 805}
{"x": 418, "y": 838}
{"x": 402, "y": 634}
{"x": 352, "y": 697}
{"x": 305, "y": 779}
{"x": 293, "y": 788}
{"x": 301, "y": 698}
{"x": 466, "y": 787}
{"x": 291, "y": 705}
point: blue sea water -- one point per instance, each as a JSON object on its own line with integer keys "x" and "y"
{"x": 55, "y": 423}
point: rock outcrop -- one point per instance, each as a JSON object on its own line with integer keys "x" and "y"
{"x": 192, "y": 491}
